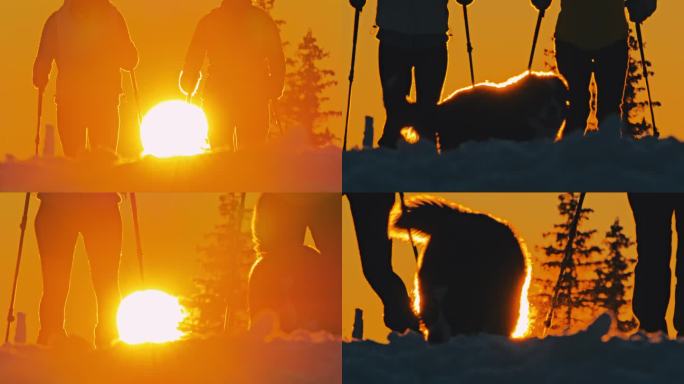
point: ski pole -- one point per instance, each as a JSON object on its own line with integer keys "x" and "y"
{"x": 22, "y": 225}
{"x": 358, "y": 7}
{"x": 404, "y": 210}
{"x": 567, "y": 258}
{"x": 138, "y": 240}
{"x": 640, "y": 38}
{"x": 469, "y": 45}
{"x": 537, "y": 28}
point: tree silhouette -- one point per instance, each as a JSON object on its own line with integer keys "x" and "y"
{"x": 635, "y": 105}
{"x": 225, "y": 262}
{"x": 302, "y": 106}
{"x": 613, "y": 278}
{"x": 570, "y": 273}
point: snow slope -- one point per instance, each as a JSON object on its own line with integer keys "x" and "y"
{"x": 299, "y": 358}
{"x": 595, "y": 163}
{"x": 582, "y": 358}
{"x": 274, "y": 169}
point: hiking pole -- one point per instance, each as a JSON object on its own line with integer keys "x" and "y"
{"x": 469, "y": 45}
{"x": 358, "y": 7}
{"x": 138, "y": 240}
{"x": 640, "y": 38}
{"x": 567, "y": 259}
{"x": 540, "y": 18}
{"x": 22, "y": 225}
{"x": 404, "y": 210}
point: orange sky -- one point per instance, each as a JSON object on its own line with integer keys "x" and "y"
{"x": 530, "y": 214}
{"x": 172, "y": 226}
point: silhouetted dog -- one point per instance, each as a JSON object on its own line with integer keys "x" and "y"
{"x": 471, "y": 272}
{"x": 526, "y": 107}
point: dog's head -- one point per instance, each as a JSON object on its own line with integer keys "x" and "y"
{"x": 547, "y": 95}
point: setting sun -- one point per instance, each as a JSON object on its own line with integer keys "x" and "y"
{"x": 149, "y": 316}
{"x": 174, "y": 128}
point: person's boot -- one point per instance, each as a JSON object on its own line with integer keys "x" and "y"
{"x": 49, "y": 336}
{"x": 105, "y": 336}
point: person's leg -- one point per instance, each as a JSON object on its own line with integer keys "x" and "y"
{"x": 430, "y": 72}
{"x": 56, "y": 235}
{"x": 677, "y": 200}
{"x": 72, "y": 127}
{"x": 575, "y": 65}
{"x": 653, "y": 218}
{"x": 370, "y": 212}
{"x": 611, "y": 74}
{"x": 395, "y": 77}
{"x": 103, "y": 124}
{"x": 252, "y": 120}
{"x": 221, "y": 123}
{"x": 102, "y": 233}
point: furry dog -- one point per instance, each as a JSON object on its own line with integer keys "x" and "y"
{"x": 526, "y": 107}
{"x": 471, "y": 271}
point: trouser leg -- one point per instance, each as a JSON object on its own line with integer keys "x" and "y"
{"x": 430, "y": 73}
{"x": 395, "y": 77}
{"x": 653, "y": 220}
{"x": 103, "y": 124}
{"x": 71, "y": 124}
{"x": 678, "y": 203}
{"x": 611, "y": 74}
{"x": 576, "y": 66}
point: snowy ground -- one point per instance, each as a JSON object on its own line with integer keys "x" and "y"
{"x": 303, "y": 358}
{"x": 594, "y": 163}
{"x": 582, "y": 358}
{"x": 276, "y": 170}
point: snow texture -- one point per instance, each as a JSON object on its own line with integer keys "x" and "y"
{"x": 298, "y": 358}
{"x": 599, "y": 163}
{"x": 483, "y": 359}
{"x": 274, "y": 169}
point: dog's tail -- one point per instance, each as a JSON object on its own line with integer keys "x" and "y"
{"x": 424, "y": 215}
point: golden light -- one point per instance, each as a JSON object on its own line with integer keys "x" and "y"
{"x": 174, "y": 128}
{"x": 523, "y": 324}
{"x": 149, "y": 316}
{"x": 410, "y": 135}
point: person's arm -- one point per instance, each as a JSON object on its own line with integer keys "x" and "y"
{"x": 541, "y": 5}
{"x": 194, "y": 59}
{"x": 640, "y": 10}
{"x": 127, "y": 53}
{"x": 276, "y": 63}
{"x": 370, "y": 213}
{"x": 46, "y": 55}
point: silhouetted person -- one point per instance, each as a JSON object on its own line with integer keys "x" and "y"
{"x": 653, "y": 217}
{"x": 370, "y": 212}
{"x": 592, "y": 38}
{"x": 90, "y": 43}
{"x": 301, "y": 284}
{"x": 413, "y": 40}
{"x": 246, "y": 71}
{"x": 60, "y": 219}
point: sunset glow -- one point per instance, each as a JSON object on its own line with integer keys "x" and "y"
{"x": 174, "y": 128}
{"x": 523, "y": 324}
{"x": 149, "y": 316}
{"x": 410, "y": 135}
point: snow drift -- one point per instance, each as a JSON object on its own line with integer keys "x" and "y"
{"x": 582, "y": 358}
{"x": 298, "y": 358}
{"x": 594, "y": 163}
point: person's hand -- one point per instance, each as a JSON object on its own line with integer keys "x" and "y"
{"x": 541, "y": 5}
{"x": 640, "y": 10}
{"x": 357, "y": 4}
{"x": 464, "y": 2}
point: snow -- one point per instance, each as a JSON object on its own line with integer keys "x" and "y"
{"x": 582, "y": 358}
{"x": 593, "y": 163}
{"x": 298, "y": 358}
{"x": 275, "y": 169}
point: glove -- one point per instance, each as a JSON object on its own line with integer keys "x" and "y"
{"x": 541, "y": 5}
{"x": 640, "y": 10}
{"x": 357, "y": 4}
{"x": 464, "y": 2}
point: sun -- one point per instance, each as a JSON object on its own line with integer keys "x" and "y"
{"x": 149, "y": 316}
{"x": 174, "y": 128}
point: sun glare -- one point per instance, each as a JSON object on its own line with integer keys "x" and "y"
{"x": 523, "y": 324}
{"x": 174, "y": 128}
{"x": 149, "y": 316}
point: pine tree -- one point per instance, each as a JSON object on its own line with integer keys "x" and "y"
{"x": 571, "y": 273}
{"x": 635, "y": 105}
{"x": 225, "y": 261}
{"x": 302, "y": 106}
{"x": 614, "y": 276}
